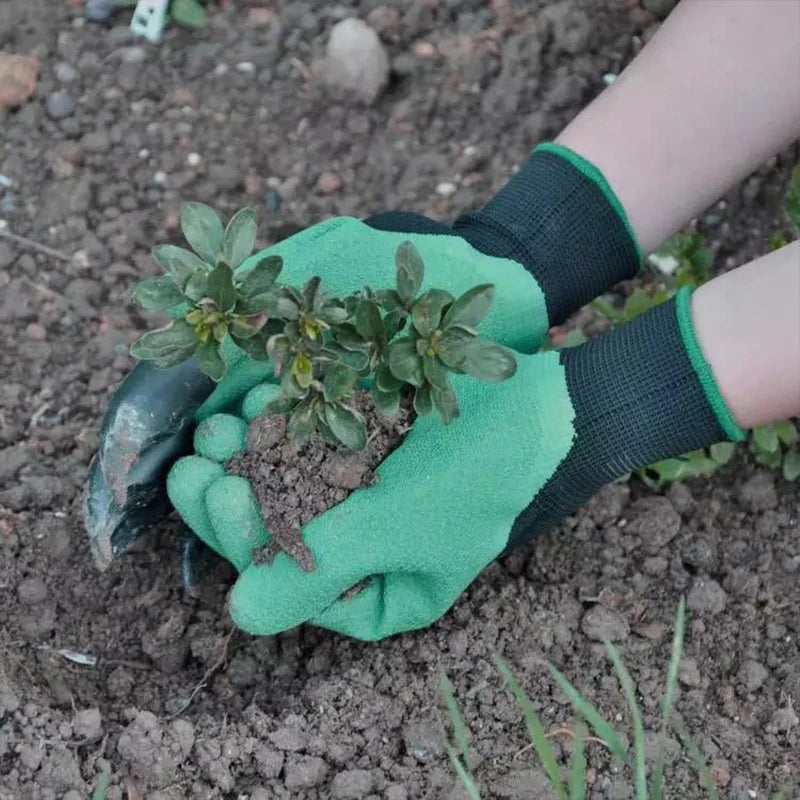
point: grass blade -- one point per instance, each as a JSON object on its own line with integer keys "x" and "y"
{"x": 577, "y": 765}
{"x": 535, "y": 729}
{"x": 463, "y": 774}
{"x": 592, "y": 716}
{"x": 103, "y": 780}
{"x": 639, "y": 774}
{"x": 697, "y": 757}
{"x": 669, "y": 696}
{"x": 457, "y": 720}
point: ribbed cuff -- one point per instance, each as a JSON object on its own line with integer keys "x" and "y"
{"x": 560, "y": 219}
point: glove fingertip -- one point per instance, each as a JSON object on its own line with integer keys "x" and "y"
{"x": 220, "y": 437}
{"x": 257, "y": 399}
{"x": 236, "y": 519}
{"x": 187, "y": 483}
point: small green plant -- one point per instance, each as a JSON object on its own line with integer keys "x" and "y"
{"x": 575, "y": 786}
{"x": 776, "y": 446}
{"x": 189, "y": 13}
{"x": 398, "y": 341}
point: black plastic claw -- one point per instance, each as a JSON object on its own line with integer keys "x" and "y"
{"x": 148, "y": 425}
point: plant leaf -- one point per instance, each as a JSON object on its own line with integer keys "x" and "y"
{"x": 466, "y": 779}
{"x": 220, "y": 287}
{"x": 393, "y": 323}
{"x": 257, "y": 304}
{"x": 158, "y": 294}
{"x": 389, "y": 300}
{"x": 423, "y": 404}
{"x": 261, "y": 278}
{"x": 766, "y": 438}
{"x": 445, "y": 403}
{"x": 368, "y": 322}
{"x": 338, "y": 381}
{"x": 247, "y": 327}
{"x": 311, "y": 294}
{"x": 471, "y": 307}
{"x": 697, "y": 757}
{"x": 435, "y": 373}
{"x": 410, "y": 272}
{"x": 787, "y": 432}
{"x": 426, "y": 313}
{"x": 387, "y": 403}
{"x": 209, "y": 360}
{"x": 255, "y": 346}
{"x": 534, "y": 726}
{"x": 488, "y": 361}
{"x": 178, "y": 262}
{"x": 333, "y": 313}
{"x": 404, "y": 361}
{"x": 453, "y": 346}
{"x": 722, "y": 452}
{"x": 384, "y": 379}
{"x": 303, "y": 370}
{"x": 457, "y": 721}
{"x": 348, "y": 337}
{"x": 239, "y": 237}
{"x": 791, "y": 465}
{"x": 302, "y": 422}
{"x": 203, "y": 230}
{"x": 576, "y": 781}
{"x": 196, "y": 287}
{"x": 346, "y": 425}
{"x": 188, "y": 13}
{"x": 174, "y": 343}
{"x": 792, "y": 200}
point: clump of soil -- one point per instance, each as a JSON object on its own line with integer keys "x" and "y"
{"x": 294, "y": 483}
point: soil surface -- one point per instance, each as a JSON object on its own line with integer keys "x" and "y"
{"x": 295, "y": 483}
{"x": 126, "y": 672}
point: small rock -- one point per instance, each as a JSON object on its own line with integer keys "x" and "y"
{"x": 65, "y": 73}
{"x": 32, "y": 591}
{"x": 422, "y": 740}
{"x": 88, "y": 724}
{"x": 259, "y": 17}
{"x": 571, "y": 27}
{"x": 18, "y": 79}
{"x": 446, "y": 189}
{"x": 706, "y": 597}
{"x": 352, "y": 784}
{"x": 344, "y": 470}
{"x": 225, "y": 176}
{"x": 425, "y": 50}
{"x": 759, "y": 492}
{"x": 752, "y": 674}
{"x": 130, "y": 55}
{"x": 601, "y": 623}
{"x": 700, "y": 553}
{"x": 688, "y": 674}
{"x": 328, "y": 183}
{"x": 269, "y": 763}
{"x": 7, "y": 255}
{"x": 59, "y": 105}
{"x": 36, "y": 332}
{"x": 289, "y": 738}
{"x": 655, "y": 521}
{"x": 356, "y": 61}
{"x": 385, "y": 20}
{"x": 96, "y": 142}
{"x": 99, "y": 10}
{"x": 661, "y": 8}
{"x": 305, "y": 772}
{"x": 680, "y": 495}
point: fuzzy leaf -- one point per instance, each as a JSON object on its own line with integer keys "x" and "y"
{"x": 303, "y": 370}
{"x": 445, "y": 403}
{"x": 286, "y": 307}
{"x": 368, "y": 322}
{"x": 239, "y": 237}
{"x": 220, "y": 287}
{"x": 247, "y": 327}
{"x": 210, "y": 361}
{"x": 791, "y": 465}
{"x": 179, "y": 263}
{"x": 302, "y": 422}
{"x": 311, "y": 293}
{"x": 423, "y": 404}
{"x": 255, "y": 346}
{"x": 410, "y": 272}
{"x": 792, "y": 200}
{"x": 197, "y": 286}
{"x": 453, "y": 345}
{"x": 488, "y": 361}
{"x": 404, "y": 361}
{"x": 435, "y": 373}
{"x": 203, "y": 230}
{"x": 355, "y": 359}
{"x": 346, "y": 425}
{"x": 387, "y": 403}
{"x": 722, "y": 452}
{"x": 787, "y": 432}
{"x": 333, "y": 313}
{"x": 279, "y": 346}
{"x": 349, "y": 338}
{"x": 289, "y": 385}
{"x": 385, "y": 381}
{"x": 426, "y": 313}
{"x": 260, "y": 303}
{"x": 393, "y": 323}
{"x": 158, "y": 294}
{"x": 766, "y": 438}
{"x": 261, "y": 278}
{"x": 766, "y": 459}
{"x": 389, "y": 300}
{"x": 471, "y": 307}
{"x": 188, "y": 13}
{"x": 175, "y": 341}
{"x": 338, "y": 382}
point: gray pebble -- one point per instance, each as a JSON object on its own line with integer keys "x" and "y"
{"x": 88, "y": 724}
{"x": 752, "y": 674}
{"x": 356, "y": 61}
{"x": 352, "y": 784}
{"x": 99, "y": 10}
{"x": 59, "y": 105}
{"x": 688, "y": 674}
{"x": 32, "y": 591}
{"x": 64, "y": 72}
{"x": 96, "y": 142}
{"x": 706, "y": 597}
{"x": 601, "y": 624}
{"x": 305, "y": 772}
{"x": 759, "y": 492}
{"x": 422, "y": 740}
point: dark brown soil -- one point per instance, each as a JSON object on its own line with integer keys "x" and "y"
{"x": 295, "y": 483}
{"x": 161, "y": 697}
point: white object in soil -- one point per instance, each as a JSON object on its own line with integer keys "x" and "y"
{"x": 149, "y": 18}
{"x": 356, "y": 60}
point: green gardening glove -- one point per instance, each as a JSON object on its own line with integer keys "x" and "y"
{"x": 452, "y": 498}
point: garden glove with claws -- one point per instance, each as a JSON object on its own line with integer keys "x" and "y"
{"x": 450, "y": 499}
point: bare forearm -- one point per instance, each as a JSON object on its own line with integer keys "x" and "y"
{"x": 714, "y": 94}
{"x": 748, "y": 325}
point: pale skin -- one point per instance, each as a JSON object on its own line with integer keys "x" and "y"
{"x": 712, "y": 96}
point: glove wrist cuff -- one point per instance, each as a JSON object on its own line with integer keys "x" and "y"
{"x": 560, "y": 219}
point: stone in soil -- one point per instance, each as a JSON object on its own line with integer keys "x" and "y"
{"x": 293, "y": 484}
{"x": 59, "y": 105}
